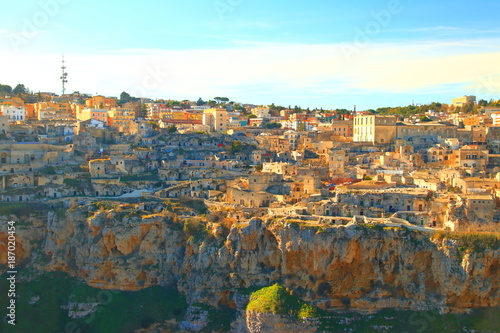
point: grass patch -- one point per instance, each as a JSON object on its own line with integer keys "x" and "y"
{"x": 118, "y": 312}
{"x": 141, "y": 177}
{"x": 22, "y": 208}
{"x": 372, "y": 226}
{"x": 471, "y": 241}
{"x": 60, "y": 212}
{"x": 48, "y": 170}
{"x": 276, "y": 299}
{"x": 75, "y": 183}
{"x": 480, "y": 320}
{"x": 198, "y": 205}
{"x": 195, "y": 228}
{"x": 105, "y": 205}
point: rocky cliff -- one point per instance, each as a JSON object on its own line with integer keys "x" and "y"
{"x": 333, "y": 267}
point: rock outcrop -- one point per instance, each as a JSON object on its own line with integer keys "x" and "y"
{"x": 255, "y": 322}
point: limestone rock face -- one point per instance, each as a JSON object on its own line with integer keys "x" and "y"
{"x": 29, "y": 233}
{"x": 107, "y": 250}
{"x": 349, "y": 267}
{"x": 332, "y": 267}
{"x": 254, "y": 322}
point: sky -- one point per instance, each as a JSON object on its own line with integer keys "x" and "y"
{"x": 318, "y": 54}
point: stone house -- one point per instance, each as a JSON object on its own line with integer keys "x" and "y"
{"x": 101, "y": 168}
{"x": 480, "y": 207}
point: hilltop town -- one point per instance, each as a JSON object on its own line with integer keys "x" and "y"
{"x": 437, "y": 169}
{"x": 394, "y": 208}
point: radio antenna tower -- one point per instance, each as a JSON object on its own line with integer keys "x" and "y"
{"x": 64, "y": 76}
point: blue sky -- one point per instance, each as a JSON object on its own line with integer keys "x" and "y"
{"x": 328, "y": 54}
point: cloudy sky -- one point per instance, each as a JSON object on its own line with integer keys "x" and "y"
{"x": 320, "y": 53}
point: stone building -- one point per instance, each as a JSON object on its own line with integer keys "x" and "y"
{"x": 375, "y": 129}
{"x": 472, "y": 158}
{"x": 29, "y": 157}
{"x": 426, "y": 133}
{"x": 100, "y": 168}
{"x": 216, "y": 119}
{"x": 480, "y": 207}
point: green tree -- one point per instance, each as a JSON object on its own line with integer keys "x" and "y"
{"x": 125, "y": 97}
{"x": 172, "y": 129}
{"x": 238, "y": 107}
{"x": 20, "y": 89}
{"x": 143, "y": 112}
{"x": 221, "y": 100}
{"x": 154, "y": 125}
{"x": 275, "y": 110}
{"x": 482, "y": 102}
{"x": 468, "y": 107}
{"x": 5, "y": 88}
{"x": 236, "y": 147}
{"x": 272, "y": 125}
{"x": 200, "y": 102}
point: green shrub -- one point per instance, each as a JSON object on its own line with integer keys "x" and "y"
{"x": 195, "y": 228}
{"x": 48, "y": 170}
{"x": 276, "y": 299}
{"x": 72, "y": 182}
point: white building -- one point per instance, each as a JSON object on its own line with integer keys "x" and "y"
{"x": 94, "y": 123}
{"x": 374, "y": 128}
{"x": 14, "y": 112}
{"x": 200, "y": 107}
{"x": 290, "y": 124}
{"x": 489, "y": 110}
{"x": 496, "y": 119}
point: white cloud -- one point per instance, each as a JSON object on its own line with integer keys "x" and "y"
{"x": 249, "y": 71}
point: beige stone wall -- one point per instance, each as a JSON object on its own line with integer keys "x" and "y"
{"x": 481, "y": 206}
{"x": 249, "y": 199}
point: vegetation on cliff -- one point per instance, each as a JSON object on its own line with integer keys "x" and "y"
{"x": 42, "y": 305}
{"x": 277, "y": 300}
{"x": 22, "y": 209}
{"x": 471, "y": 242}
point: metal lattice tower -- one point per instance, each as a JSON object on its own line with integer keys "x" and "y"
{"x": 64, "y": 76}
